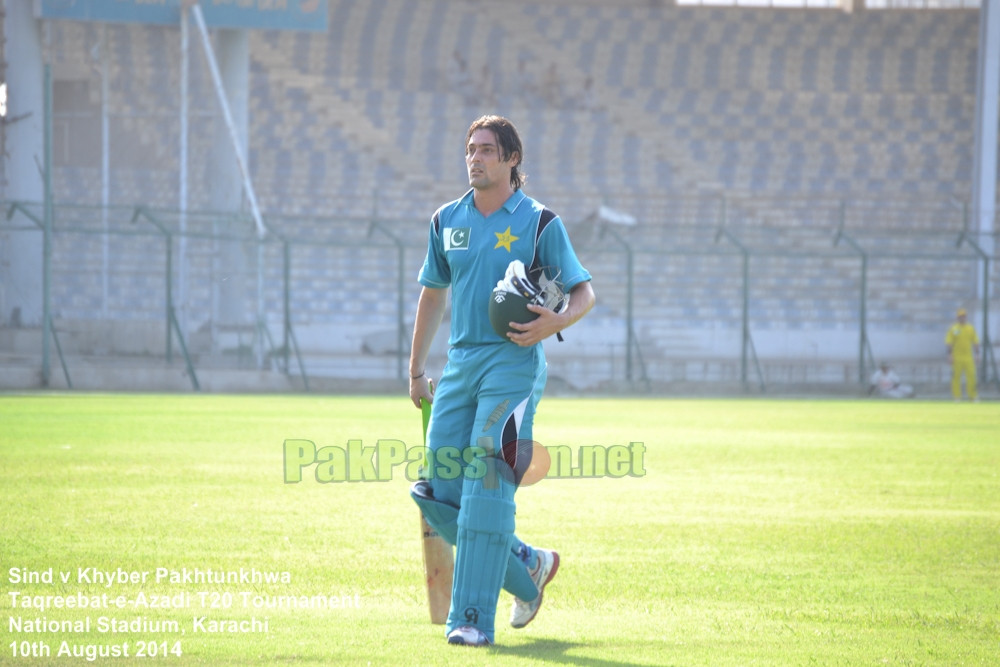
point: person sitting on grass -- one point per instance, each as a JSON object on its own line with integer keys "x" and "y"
{"x": 886, "y": 383}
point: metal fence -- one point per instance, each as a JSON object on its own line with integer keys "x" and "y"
{"x": 723, "y": 296}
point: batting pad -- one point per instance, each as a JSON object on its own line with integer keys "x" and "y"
{"x": 485, "y": 537}
{"x": 444, "y": 519}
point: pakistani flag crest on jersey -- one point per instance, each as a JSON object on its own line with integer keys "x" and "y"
{"x": 457, "y": 238}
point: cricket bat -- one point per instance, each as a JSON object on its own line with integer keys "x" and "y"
{"x": 439, "y": 562}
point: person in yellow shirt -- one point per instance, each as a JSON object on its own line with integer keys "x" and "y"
{"x": 963, "y": 351}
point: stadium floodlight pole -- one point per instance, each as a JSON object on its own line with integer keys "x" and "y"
{"x": 213, "y": 67}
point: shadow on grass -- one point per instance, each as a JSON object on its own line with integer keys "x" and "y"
{"x": 554, "y": 651}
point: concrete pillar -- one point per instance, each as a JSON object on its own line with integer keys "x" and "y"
{"x": 984, "y": 176}
{"x": 984, "y": 186}
{"x": 234, "y": 261}
{"x": 21, "y": 251}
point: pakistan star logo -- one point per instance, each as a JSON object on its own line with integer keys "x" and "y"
{"x": 505, "y": 239}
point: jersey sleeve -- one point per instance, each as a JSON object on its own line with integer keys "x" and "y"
{"x": 435, "y": 272}
{"x": 556, "y": 255}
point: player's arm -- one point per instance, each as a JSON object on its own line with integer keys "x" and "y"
{"x": 430, "y": 312}
{"x": 549, "y": 323}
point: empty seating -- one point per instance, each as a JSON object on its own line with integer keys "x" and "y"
{"x": 688, "y": 118}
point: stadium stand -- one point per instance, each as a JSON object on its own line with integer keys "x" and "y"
{"x": 719, "y": 129}
{"x": 731, "y": 99}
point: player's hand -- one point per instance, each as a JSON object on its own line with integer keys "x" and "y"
{"x": 421, "y": 387}
{"x": 548, "y": 323}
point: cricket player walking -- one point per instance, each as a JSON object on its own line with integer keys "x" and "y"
{"x": 492, "y": 243}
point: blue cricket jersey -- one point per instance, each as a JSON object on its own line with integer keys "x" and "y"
{"x": 471, "y": 253}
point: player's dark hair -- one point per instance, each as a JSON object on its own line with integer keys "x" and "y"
{"x": 508, "y": 140}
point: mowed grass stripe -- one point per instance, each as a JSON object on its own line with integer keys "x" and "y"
{"x": 762, "y": 532}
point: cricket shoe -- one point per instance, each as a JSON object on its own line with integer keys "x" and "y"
{"x": 466, "y": 635}
{"x": 522, "y": 612}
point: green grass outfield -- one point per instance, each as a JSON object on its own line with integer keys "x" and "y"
{"x": 751, "y": 532}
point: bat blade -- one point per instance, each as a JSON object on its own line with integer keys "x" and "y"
{"x": 438, "y": 567}
{"x": 439, "y": 561}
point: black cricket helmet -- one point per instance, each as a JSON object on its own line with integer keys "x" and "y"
{"x": 510, "y": 298}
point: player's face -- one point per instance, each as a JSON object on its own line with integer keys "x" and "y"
{"x": 482, "y": 159}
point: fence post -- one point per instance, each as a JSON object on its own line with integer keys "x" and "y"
{"x": 172, "y": 324}
{"x": 988, "y": 355}
{"x": 984, "y": 259}
{"x": 986, "y": 319}
{"x": 747, "y": 347}
{"x": 629, "y": 301}
{"x": 288, "y": 334}
{"x": 286, "y": 297}
{"x": 746, "y": 314}
{"x": 863, "y": 342}
{"x": 170, "y": 292}
{"x": 400, "y": 288}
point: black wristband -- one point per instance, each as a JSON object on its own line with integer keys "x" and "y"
{"x": 417, "y": 377}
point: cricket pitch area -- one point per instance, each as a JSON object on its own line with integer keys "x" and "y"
{"x": 238, "y": 530}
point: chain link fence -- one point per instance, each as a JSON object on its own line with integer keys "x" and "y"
{"x": 743, "y": 293}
